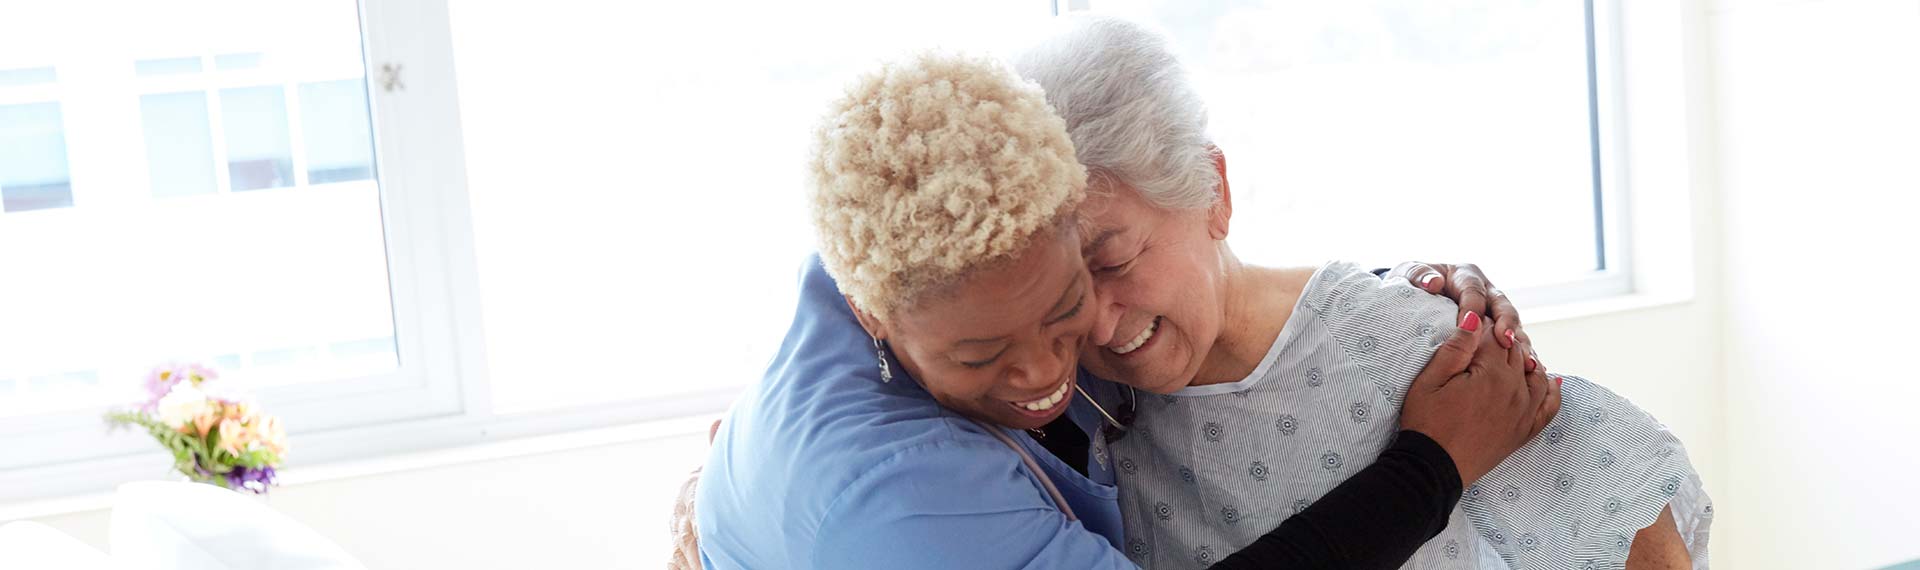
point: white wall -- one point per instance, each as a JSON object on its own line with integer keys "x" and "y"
{"x": 1819, "y": 141}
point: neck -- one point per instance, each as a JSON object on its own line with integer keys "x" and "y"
{"x": 1258, "y": 302}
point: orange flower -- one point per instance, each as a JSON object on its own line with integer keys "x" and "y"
{"x": 232, "y": 435}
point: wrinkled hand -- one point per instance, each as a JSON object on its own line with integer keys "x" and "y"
{"x": 1477, "y": 401}
{"x": 1469, "y": 288}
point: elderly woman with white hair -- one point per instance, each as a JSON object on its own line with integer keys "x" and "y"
{"x": 1273, "y": 380}
{"x": 926, "y": 409}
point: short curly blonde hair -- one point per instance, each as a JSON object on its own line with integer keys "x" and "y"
{"x": 932, "y": 168}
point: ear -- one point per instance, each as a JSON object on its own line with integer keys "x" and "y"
{"x": 867, "y": 320}
{"x": 1221, "y": 212}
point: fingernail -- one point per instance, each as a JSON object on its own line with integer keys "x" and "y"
{"x": 1428, "y": 280}
{"x": 1471, "y": 322}
{"x": 1510, "y": 340}
{"x": 1532, "y": 364}
{"x": 1557, "y": 381}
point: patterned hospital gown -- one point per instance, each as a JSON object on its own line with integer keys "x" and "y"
{"x": 1209, "y": 469}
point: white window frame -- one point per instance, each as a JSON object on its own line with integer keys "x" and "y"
{"x": 432, "y": 278}
{"x": 1607, "y": 123}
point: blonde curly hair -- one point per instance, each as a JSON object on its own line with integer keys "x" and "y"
{"x": 932, "y": 168}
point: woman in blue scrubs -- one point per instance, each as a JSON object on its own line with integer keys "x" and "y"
{"x": 939, "y": 327}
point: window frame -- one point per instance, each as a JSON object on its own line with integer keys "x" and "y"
{"x": 1606, "y": 125}
{"x": 1605, "y": 122}
{"x": 433, "y": 284}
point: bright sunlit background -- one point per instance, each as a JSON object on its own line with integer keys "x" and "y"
{"x": 500, "y": 262}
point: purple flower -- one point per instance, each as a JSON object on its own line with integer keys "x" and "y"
{"x": 163, "y": 377}
{"x": 251, "y": 480}
{"x": 159, "y": 382}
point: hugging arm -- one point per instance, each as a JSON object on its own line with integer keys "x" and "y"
{"x": 1473, "y": 404}
{"x": 1467, "y": 410}
{"x": 1375, "y": 519}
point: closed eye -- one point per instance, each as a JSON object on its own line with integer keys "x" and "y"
{"x": 1070, "y": 312}
{"x": 978, "y": 364}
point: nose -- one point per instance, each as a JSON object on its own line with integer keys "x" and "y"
{"x": 1107, "y": 313}
{"x": 1042, "y": 369}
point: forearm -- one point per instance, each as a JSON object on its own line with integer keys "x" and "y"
{"x": 1376, "y": 519}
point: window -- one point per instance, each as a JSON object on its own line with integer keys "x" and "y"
{"x": 1386, "y": 130}
{"x": 179, "y": 141}
{"x": 601, "y": 220}
{"x": 204, "y": 187}
{"x": 33, "y": 170}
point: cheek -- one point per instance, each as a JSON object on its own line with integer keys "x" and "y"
{"x": 959, "y": 387}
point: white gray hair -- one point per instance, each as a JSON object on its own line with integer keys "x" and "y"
{"x": 1128, "y": 107}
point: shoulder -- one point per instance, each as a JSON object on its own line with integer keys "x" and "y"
{"x": 819, "y": 425}
{"x": 1346, "y": 297}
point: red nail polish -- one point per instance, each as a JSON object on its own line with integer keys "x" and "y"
{"x": 1557, "y": 381}
{"x": 1510, "y": 340}
{"x": 1532, "y": 364}
{"x": 1471, "y": 322}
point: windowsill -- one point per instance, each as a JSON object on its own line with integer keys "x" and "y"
{"x": 1599, "y": 306}
{"x": 692, "y": 426}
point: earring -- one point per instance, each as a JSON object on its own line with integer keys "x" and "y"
{"x": 880, "y": 352}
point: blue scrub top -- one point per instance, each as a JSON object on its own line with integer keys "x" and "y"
{"x": 821, "y": 465}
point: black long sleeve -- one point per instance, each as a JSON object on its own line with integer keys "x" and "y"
{"x": 1376, "y": 519}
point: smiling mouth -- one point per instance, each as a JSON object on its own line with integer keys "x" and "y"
{"x": 1047, "y": 403}
{"x": 1139, "y": 340}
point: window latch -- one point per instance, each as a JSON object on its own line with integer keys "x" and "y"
{"x": 390, "y": 78}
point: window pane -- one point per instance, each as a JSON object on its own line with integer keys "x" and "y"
{"x": 1371, "y": 129}
{"x": 29, "y": 76}
{"x": 179, "y": 144}
{"x": 339, "y": 134}
{"x": 273, "y": 287}
{"x": 228, "y": 61}
{"x": 259, "y": 155}
{"x": 639, "y": 231}
{"x": 33, "y": 158}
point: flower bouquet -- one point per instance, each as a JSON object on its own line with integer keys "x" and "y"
{"x": 214, "y": 438}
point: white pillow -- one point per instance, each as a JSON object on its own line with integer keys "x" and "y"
{"x": 28, "y": 544}
{"x": 203, "y": 527}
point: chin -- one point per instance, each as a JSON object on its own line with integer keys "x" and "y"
{"x": 1157, "y": 385}
{"x": 1148, "y": 380}
{"x": 1140, "y": 381}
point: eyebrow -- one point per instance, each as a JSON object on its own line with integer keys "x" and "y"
{"x": 1094, "y": 244}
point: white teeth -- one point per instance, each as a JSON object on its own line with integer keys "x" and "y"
{"x": 1048, "y": 402}
{"x": 1134, "y": 344}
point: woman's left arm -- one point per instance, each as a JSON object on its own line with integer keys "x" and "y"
{"x": 1470, "y": 288}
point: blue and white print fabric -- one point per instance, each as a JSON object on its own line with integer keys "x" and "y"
{"x": 1211, "y": 468}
